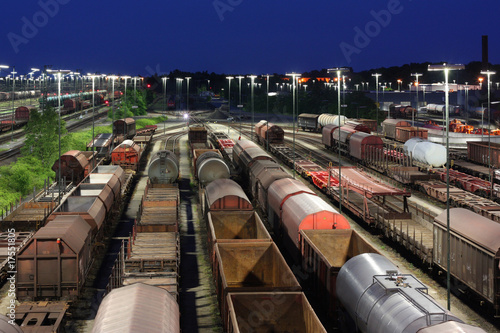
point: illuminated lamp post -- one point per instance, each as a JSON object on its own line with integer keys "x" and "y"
{"x": 58, "y": 73}
{"x": 252, "y": 83}
{"x": 164, "y": 79}
{"x": 416, "y": 75}
{"x": 377, "y": 75}
{"x": 489, "y": 73}
{"x": 241, "y": 115}
{"x": 446, "y": 68}
{"x": 187, "y": 88}
{"x": 293, "y": 75}
{"x": 267, "y": 107}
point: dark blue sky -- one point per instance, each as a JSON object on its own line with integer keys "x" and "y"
{"x": 243, "y": 36}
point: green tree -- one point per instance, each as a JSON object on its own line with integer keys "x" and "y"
{"x": 42, "y": 136}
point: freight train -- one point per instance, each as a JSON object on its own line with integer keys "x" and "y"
{"x": 304, "y": 236}
{"x": 7, "y": 96}
{"x": 463, "y": 219}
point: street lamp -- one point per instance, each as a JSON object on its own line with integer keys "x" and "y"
{"x": 377, "y": 75}
{"x": 416, "y": 75}
{"x": 446, "y": 68}
{"x": 125, "y": 78}
{"x": 240, "y": 105}
{"x": 164, "y": 79}
{"x": 252, "y": 80}
{"x": 267, "y": 107}
{"x": 58, "y": 74}
{"x": 339, "y": 72}
{"x": 489, "y": 73}
{"x": 93, "y": 76}
{"x": 113, "y": 78}
{"x": 187, "y": 98}
{"x": 399, "y": 84}
{"x": 229, "y": 98}
{"x": 293, "y": 75}
{"x": 13, "y": 94}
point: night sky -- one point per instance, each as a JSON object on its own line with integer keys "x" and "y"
{"x": 242, "y": 36}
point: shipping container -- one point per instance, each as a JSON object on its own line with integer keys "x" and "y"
{"x": 483, "y": 152}
{"x": 404, "y": 134}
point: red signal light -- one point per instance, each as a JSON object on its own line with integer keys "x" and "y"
{"x": 149, "y": 86}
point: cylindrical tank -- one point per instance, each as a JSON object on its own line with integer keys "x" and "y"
{"x": 7, "y": 327}
{"x": 211, "y": 166}
{"x": 163, "y": 168}
{"x": 330, "y": 119}
{"x": 380, "y": 300}
{"x": 426, "y": 152}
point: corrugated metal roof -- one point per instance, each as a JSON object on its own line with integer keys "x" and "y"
{"x": 220, "y": 188}
{"x": 138, "y": 308}
{"x": 474, "y": 227}
{"x": 71, "y": 229}
{"x": 301, "y": 206}
{"x": 270, "y": 176}
{"x": 283, "y": 188}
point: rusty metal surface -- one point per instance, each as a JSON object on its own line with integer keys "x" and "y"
{"x": 481, "y": 152}
{"x": 146, "y": 309}
{"x": 55, "y": 261}
{"x": 28, "y": 216}
{"x": 73, "y": 164}
{"x": 102, "y": 191}
{"x": 113, "y": 169}
{"x": 306, "y": 211}
{"x": 361, "y": 182}
{"x": 259, "y": 167}
{"x": 259, "y": 126}
{"x": 239, "y": 147}
{"x": 344, "y": 133}
{"x": 282, "y": 189}
{"x": 90, "y": 208}
{"x": 234, "y": 227}
{"x": 251, "y": 267}
{"x": 226, "y": 194}
{"x": 359, "y": 142}
{"x": 291, "y": 312}
{"x": 41, "y": 317}
{"x": 478, "y": 229}
{"x": 251, "y": 155}
{"x": 389, "y": 127}
{"x": 327, "y": 134}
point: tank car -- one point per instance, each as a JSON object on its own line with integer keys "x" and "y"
{"x": 380, "y": 299}
{"x": 426, "y": 152}
{"x": 163, "y": 168}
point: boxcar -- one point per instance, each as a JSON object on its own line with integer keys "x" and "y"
{"x": 308, "y": 121}
{"x": 479, "y": 152}
{"x": 389, "y": 127}
{"x": 54, "y": 263}
{"x": 124, "y": 127}
{"x": 475, "y": 249}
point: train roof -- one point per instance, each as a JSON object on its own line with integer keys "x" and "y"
{"x": 474, "y": 227}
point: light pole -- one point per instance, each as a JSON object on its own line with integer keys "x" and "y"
{"x": 293, "y": 75}
{"x": 489, "y": 73}
{"x": 446, "y": 68}
{"x": 93, "y": 76}
{"x": 229, "y": 93}
{"x": 13, "y": 94}
{"x": 399, "y": 84}
{"x": 339, "y": 71}
{"x": 187, "y": 98}
{"x": 267, "y": 107}
{"x": 377, "y": 75}
{"x": 239, "y": 77}
{"x": 467, "y": 100}
{"x": 416, "y": 75}
{"x": 113, "y": 78}
{"x": 125, "y": 78}
{"x": 252, "y": 80}
{"x": 164, "y": 79}
{"x": 58, "y": 74}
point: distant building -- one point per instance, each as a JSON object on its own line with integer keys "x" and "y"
{"x": 429, "y": 87}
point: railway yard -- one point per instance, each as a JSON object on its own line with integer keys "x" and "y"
{"x": 231, "y": 227}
